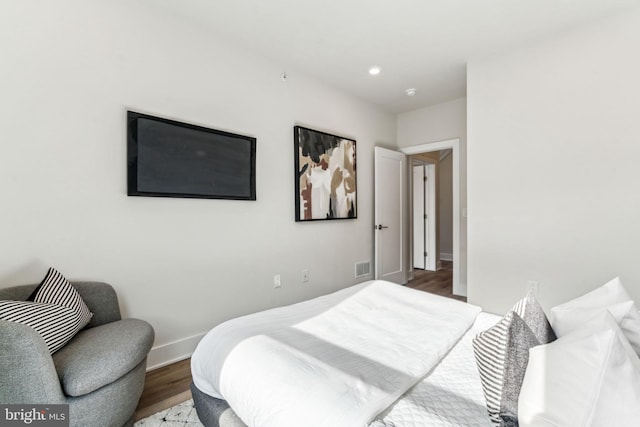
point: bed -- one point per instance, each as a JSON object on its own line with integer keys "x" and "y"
{"x": 375, "y": 354}
{"x": 383, "y": 355}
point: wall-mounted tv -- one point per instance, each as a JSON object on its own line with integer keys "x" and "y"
{"x": 167, "y": 158}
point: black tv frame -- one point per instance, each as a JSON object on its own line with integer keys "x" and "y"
{"x": 132, "y": 158}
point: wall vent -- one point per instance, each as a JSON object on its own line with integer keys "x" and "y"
{"x": 363, "y": 268}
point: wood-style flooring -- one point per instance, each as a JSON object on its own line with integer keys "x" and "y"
{"x": 164, "y": 387}
{"x": 168, "y": 386}
{"x": 437, "y": 282}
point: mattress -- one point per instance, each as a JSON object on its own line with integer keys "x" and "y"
{"x": 451, "y": 395}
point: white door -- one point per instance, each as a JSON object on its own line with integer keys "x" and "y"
{"x": 430, "y": 217}
{"x": 419, "y": 218}
{"x": 424, "y": 217}
{"x": 390, "y": 178}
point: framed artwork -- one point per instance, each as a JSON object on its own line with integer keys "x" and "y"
{"x": 325, "y": 175}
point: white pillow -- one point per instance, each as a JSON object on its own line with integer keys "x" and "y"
{"x": 611, "y": 297}
{"x": 611, "y": 292}
{"x": 590, "y": 377}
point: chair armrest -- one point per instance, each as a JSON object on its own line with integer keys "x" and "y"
{"x": 27, "y": 372}
{"x": 101, "y": 299}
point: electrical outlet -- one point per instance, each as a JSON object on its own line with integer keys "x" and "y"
{"x": 532, "y": 285}
{"x": 305, "y": 276}
{"x": 276, "y": 281}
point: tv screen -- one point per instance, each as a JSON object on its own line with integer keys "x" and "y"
{"x": 167, "y": 158}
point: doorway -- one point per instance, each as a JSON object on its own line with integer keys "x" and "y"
{"x": 432, "y": 223}
{"x": 457, "y": 236}
{"x": 392, "y": 221}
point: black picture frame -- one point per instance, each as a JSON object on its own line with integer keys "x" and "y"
{"x": 325, "y": 176}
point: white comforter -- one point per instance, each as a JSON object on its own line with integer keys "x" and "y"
{"x": 333, "y": 361}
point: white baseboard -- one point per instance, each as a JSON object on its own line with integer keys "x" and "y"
{"x": 172, "y": 352}
{"x": 446, "y": 256}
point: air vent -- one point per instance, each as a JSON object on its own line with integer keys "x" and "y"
{"x": 363, "y": 268}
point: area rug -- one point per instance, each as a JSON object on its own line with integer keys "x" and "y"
{"x": 181, "y": 415}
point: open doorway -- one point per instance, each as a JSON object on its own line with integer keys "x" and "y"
{"x": 432, "y": 220}
{"x": 449, "y": 247}
{"x": 392, "y": 221}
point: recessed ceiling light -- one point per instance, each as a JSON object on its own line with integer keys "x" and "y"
{"x": 411, "y": 91}
{"x": 375, "y": 70}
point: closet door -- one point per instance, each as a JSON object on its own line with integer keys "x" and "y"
{"x": 419, "y": 217}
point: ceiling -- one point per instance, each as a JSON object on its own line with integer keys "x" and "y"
{"x": 421, "y": 44}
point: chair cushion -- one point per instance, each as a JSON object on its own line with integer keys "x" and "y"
{"x": 98, "y": 356}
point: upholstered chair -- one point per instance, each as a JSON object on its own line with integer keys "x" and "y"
{"x": 99, "y": 373}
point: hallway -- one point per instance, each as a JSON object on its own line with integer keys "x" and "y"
{"x": 438, "y": 282}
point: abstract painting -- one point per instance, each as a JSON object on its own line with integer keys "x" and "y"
{"x": 325, "y": 168}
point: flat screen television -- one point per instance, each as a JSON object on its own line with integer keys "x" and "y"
{"x": 167, "y": 158}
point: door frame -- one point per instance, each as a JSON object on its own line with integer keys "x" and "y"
{"x": 459, "y": 284}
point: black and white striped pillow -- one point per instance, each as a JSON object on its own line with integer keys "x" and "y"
{"x": 55, "y": 324}
{"x": 502, "y": 354}
{"x": 55, "y": 310}
{"x": 56, "y": 289}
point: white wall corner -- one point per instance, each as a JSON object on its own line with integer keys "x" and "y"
{"x": 172, "y": 352}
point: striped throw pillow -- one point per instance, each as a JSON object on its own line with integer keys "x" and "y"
{"x": 502, "y": 354}
{"x": 55, "y": 324}
{"x": 56, "y": 289}
{"x": 55, "y": 310}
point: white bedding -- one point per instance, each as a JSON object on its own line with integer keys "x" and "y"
{"x": 450, "y": 396}
{"x": 337, "y": 360}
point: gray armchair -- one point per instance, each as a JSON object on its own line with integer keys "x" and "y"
{"x": 99, "y": 373}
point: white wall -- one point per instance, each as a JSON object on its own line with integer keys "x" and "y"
{"x": 439, "y": 122}
{"x": 70, "y": 70}
{"x": 553, "y": 152}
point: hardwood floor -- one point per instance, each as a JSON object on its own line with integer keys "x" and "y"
{"x": 164, "y": 388}
{"x": 438, "y": 282}
{"x": 168, "y": 386}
